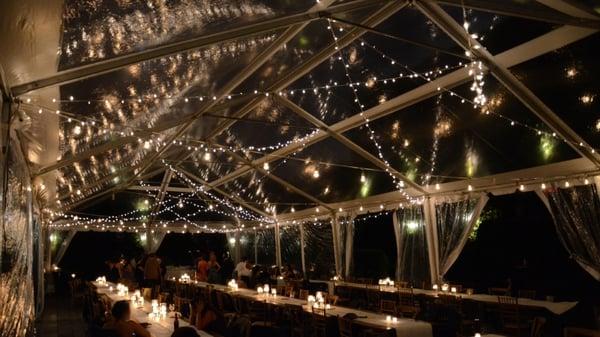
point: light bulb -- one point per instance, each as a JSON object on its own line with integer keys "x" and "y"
{"x": 363, "y": 178}
{"x": 266, "y": 166}
{"x": 316, "y": 174}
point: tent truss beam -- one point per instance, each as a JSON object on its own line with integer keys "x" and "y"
{"x": 529, "y": 50}
{"x": 348, "y": 143}
{"x": 508, "y": 8}
{"x": 160, "y": 195}
{"x": 278, "y": 180}
{"x": 253, "y": 66}
{"x": 224, "y": 193}
{"x": 570, "y": 8}
{"x": 456, "y": 32}
{"x": 244, "y": 31}
{"x": 304, "y": 68}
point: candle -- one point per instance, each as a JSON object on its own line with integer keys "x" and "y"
{"x": 266, "y": 288}
{"x": 435, "y": 287}
{"x": 388, "y": 318}
{"x": 259, "y": 290}
{"x": 445, "y": 287}
{"x": 274, "y": 292}
{"x": 453, "y": 290}
{"x": 394, "y": 319}
{"x": 478, "y": 335}
{"x": 328, "y": 306}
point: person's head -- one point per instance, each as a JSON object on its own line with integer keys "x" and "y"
{"x": 244, "y": 259}
{"x": 185, "y": 331}
{"x": 212, "y": 256}
{"x": 120, "y": 311}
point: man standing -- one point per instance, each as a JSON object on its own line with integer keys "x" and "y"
{"x": 152, "y": 274}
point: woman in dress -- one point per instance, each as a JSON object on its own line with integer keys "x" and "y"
{"x": 213, "y": 269}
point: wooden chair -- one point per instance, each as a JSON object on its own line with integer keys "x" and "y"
{"x": 537, "y": 326}
{"x": 508, "y": 309}
{"x": 388, "y": 307}
{"x": 332, "y": 299}
{"x": 303, "y": 294}
{"x": 289, "y": 291}
{"x": 281, "y": 290}
{"x": 526, "y": 293}
{"x": 401, "y": 284}
{"x": 373, "y": 299}
{"x": 499, "y": 291}
{"x": 345, "y": 327}
{"x": 318, "y": 323}
{"x": 580, "y": 332}
{"x": 295, "y": 313}
{"x": 406, "y": 304}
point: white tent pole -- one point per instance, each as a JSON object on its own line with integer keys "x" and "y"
{"x": 277, "y": 245}
{"x": 431, "y": 238}
{"x": 349, "y": 244}
{"x": 255, "y": 248}
{"x": 397, "y": 236}
{"x": 335, "y": 225}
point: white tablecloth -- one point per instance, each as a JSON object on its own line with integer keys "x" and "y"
{"x": 162, "y": 328}
{"x": 405, "y": 327}
{"x": 557, "y": 308}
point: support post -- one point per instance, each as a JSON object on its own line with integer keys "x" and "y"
{"x": 335, "y": 226}
{"x": 255, "y": 248}
{"x": 431, "y": 237}
{"x": 349, "y": 245}
{"x": 277, "y": 245}
{"x": 303, "y": 258}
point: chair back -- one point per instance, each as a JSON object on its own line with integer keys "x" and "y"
{"x": 406, "y": 297}
{"x": 332, "y": 299}
{"x": 508, "y": 309}
{"x": 318, "y": 323}
{"x": 388, "y": 307}
{"x": 527, "y": 293}
{"x": 345, "y": 326}
{"x": 537, "y": 326}
{"x": 147, "y": 293}
{"x": 303, "y": 294}
{"x": 498, "y": 291}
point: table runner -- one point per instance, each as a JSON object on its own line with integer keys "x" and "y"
{"x": 162, "y": 328}
{"x": 405, "y": 327}
{"x": 557, "y": 308}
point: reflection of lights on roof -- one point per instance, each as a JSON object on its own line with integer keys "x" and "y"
{"x": 586, "y": 99}
{"x": 571, "y": 72}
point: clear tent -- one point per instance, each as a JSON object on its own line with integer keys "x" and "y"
{"x": 279, "y": 123}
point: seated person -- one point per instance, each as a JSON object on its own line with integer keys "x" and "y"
{"x": 185, "y": 332}
{"x": 208, "y": 318}
{"x": 122, "y": 324}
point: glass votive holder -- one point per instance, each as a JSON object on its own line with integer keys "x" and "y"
{"x": 394, "y": 319}
{"x": 388, "y": 318}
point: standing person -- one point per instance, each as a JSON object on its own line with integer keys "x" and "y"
{"x": 213, "y": 269}
{"x": 202, "y": 269}
{"x": 152, "y": 274}
{"x": 127, "y": 273}
{"x": 243, "y": 272}
{"x": 226, "y": 267}
{"x": 122, "y": 324}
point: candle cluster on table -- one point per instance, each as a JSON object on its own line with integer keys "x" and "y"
{"x": 391, "y": 319}
{"x": 185, "y": 278}
{"x": 386, "y": 282}
{"x": 445, "y": 288}
{"x": 318, "y": 301}
{"x": 137, "y": 300}
{"x": 122, "y": 290}
{"x": 101, "y": 280}
{"x": 158, "y": 311}
{"x": 266, "y": 290}
{"x": 233, "y": 285}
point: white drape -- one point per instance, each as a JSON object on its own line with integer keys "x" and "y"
{"x": 576, "y": 214}
{"x": 455, "y": 220}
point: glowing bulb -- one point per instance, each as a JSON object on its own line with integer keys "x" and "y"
{"x": 266, "y": 166}
{"x": 437, "y": 187}
{"x": 363, "y": 178}
{"x": 522, "y": 187}
{"x": 543, "y": 186}
{"x": 316, "y": 174}
{"x": 567, "y": 184}
{"x": 77, "y": 130}
{"x": 207, "y": 156}
{"x": 586, "y": 181}
{"x": 470, "y": 188}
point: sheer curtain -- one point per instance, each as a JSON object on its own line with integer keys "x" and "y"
{"x": 318, "y": 250}
{"x": 411, "y": 246}
{"x": 455, "y": 220}
{"x": 344, "y": 229}
{"x": 576, "y": 213}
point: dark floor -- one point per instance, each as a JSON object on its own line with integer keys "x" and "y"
{"x": 62, "y": 317}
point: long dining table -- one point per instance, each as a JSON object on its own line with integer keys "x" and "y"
{"x": 404, "y": 327}
{"x": 557, "y": 308}
{"x": 161, "y": 328}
